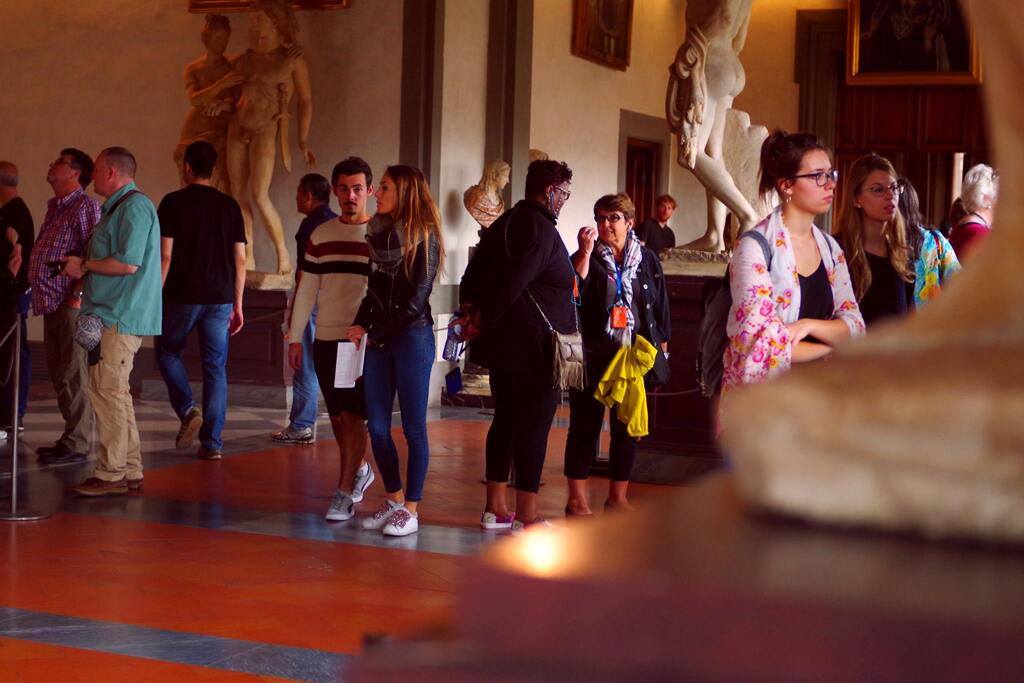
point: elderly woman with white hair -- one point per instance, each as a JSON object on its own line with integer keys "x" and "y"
{"x": 978, "y": 196}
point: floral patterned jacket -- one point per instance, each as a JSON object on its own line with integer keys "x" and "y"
{"x": 765, "y": 301}
{"x": 934, "y": 267}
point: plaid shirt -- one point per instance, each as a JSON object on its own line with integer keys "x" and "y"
{"x": 67, "y": 227}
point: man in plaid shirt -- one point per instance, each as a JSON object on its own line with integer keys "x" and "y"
{"x": 70, "y": 218}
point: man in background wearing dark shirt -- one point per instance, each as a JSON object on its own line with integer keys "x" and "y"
{"x": 202, "y": 248}
{"x": 655, "y": 233}
{"x": 313, "y": 200}
{"x": 14, "y": 215}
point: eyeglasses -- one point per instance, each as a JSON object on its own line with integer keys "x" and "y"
{"x": 565, "y": 193}
{"x": 612, "y": 218}
{"x": 896, "y": 189}
{"x": 821, "y": 178}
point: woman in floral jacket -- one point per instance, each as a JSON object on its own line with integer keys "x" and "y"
{"x": 798, "y": 304}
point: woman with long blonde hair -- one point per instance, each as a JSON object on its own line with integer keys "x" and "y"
{"x": 882, "y": 251}
{"x": 406, "y": 253}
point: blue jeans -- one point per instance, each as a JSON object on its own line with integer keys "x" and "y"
{"x": 212, "y": 321}
{"x": 305, "y": 388}
{"x": 404, "y": 365}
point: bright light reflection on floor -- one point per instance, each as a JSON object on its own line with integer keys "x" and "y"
{"x": 542, "y": 551}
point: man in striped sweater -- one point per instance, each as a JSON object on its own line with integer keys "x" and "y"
{"x": 334, "y": 276}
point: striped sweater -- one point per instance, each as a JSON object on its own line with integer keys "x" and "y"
{"x": 335, "y": 269}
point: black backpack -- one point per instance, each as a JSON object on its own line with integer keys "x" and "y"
{"x": 716, "y": 300}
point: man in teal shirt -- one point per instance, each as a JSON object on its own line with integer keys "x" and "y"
{"x": 121, "y": 285}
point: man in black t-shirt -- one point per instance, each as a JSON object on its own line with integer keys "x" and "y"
{"x": 655, "y": 233}
{"x": 17, "y": 236}
{"x": 202, "y": 249}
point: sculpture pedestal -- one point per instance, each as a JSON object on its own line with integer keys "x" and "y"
{"x": 255, "y": 280}
{"x": 258, "y": 372}
{"x": 680, "y": 261}
{"x": 681, "y": 443}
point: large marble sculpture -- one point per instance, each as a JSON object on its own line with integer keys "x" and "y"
{"x": 918, "y": 425}
{"x": 703, "y": 82}
{"x": 483, "y": 201}
{"x": 210, "y": 84}
{"x": 260, "y": 127}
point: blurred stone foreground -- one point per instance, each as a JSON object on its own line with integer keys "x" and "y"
{"x": 920, "y": 425}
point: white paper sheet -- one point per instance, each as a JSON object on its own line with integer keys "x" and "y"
{"x": 348, "y": 366}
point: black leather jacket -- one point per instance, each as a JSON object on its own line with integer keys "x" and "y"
{"x": 396, "y": 301}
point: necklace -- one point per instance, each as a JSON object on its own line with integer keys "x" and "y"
{"x": 979, "y": 217}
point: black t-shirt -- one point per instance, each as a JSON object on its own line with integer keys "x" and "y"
{"x": 205, "y": 225}
{"x": 654, "y": 236}
{"x": 887, "y": 295}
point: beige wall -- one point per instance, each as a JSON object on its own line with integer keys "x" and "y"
{"x": 576, "y": 103}
{"x": 92, "y": 74}
{"x": 771, "y": 97}
{"x": 463, "y": 125}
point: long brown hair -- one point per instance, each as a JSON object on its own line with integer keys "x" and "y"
{"x": 416, "y": 210}
{"x": 849, "y": 227}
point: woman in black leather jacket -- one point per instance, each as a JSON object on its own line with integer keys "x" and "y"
{"x": 406, "y": 252}
{"x": 624, "y": 295}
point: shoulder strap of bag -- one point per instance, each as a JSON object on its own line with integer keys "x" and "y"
{"x": 940, "y": 252}
{"x": 118, "y": 203}
{"x": 508, "y": 252}
{"x": 763, "y": 241}
{"x": 121, "y": 201}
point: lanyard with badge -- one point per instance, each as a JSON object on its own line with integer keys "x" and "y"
{"x": 619, "y": 311}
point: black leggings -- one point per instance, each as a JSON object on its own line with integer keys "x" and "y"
{"x": 586, "y": 414}
{"x": 523, "y": 412}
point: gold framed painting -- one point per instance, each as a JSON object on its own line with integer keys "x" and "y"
{"x": 244, "y": 5}
{"x": 910, "y": 42}
{"x": 601, "y": 31}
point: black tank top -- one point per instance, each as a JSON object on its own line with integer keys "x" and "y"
{"x": 887, "y": 295}
{"x": 816, "y": 295}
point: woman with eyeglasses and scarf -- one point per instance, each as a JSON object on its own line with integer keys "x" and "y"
{"x": 895, "y": 267}
{"x": 623, "y": 296}
{"x": 792, "y": 301}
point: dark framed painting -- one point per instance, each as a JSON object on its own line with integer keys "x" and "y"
{"x": 601, "y": 31}
{"x": 910, "y": 42}
{"x": 243, "y": 5}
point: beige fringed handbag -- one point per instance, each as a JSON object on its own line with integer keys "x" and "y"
{"x": 568, "y": 370}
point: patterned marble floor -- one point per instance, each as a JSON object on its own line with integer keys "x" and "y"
{"x": 226, "y": 571}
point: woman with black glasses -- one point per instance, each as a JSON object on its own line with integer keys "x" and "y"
{"x": 623, "y": 297}
{"x": 792, "y": 300}
{"x": 885, "y": 254}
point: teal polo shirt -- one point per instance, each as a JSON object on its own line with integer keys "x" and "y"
{"x": 132, "y": 236}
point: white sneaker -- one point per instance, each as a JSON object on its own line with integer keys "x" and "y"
{"x": 382, "y": 516}
{"x": 342, "y": 508}
{"x": 402, "y": 523}
{"x": 364, "y": 477}
{"x": 493, "y": 522}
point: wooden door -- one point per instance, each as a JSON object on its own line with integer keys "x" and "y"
{"x": 642, "y": 176}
